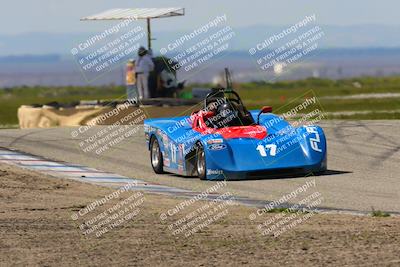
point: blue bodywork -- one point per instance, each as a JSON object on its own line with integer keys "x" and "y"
{"x": 284, "y": 150}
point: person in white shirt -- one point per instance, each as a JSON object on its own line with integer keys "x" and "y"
{"x": 144, "y": 65}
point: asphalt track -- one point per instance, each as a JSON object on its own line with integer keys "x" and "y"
{"x": 363, "y": 163}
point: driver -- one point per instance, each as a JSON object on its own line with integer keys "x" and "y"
{"x": 227, "y": 115}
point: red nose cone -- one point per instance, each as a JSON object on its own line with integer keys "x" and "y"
{"x": 254, "y": 131}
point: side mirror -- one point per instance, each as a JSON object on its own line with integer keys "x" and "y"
{"x": 265, "y": 109}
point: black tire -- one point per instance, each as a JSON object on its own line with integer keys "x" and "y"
{"x": 201, "y": 168}
{"x": 156, "y": 157}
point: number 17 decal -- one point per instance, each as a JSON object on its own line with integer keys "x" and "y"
{"x": 263, "y": 149}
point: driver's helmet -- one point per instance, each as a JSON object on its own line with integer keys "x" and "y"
{"x": 226, "y": 115}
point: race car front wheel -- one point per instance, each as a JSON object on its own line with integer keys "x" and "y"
{"x": 201, "y": 162}
{"x": 156, "y": 157}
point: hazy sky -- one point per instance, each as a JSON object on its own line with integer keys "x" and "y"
{"x": 21, "y": 16}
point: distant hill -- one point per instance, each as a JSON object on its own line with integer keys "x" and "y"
{"x": 31, "y": 59}
{"x": 360, "y": 36}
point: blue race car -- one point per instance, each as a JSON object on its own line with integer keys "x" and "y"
{"x": 225, "y": 141}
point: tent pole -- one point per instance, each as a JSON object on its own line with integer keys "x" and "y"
{"x": 148, "y": 34}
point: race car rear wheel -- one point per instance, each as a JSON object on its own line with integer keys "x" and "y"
{"x": 156, "y": 157}
{"x": 201, "y": 163}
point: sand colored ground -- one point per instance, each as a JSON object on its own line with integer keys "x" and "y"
{"x": 36, "y": 229}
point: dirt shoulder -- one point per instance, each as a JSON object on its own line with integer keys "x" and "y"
{"x": 36, "y": 228}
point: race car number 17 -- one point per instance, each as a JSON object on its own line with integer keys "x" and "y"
{"x": 264, "y": 148}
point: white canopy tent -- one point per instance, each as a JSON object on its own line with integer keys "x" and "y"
{"x": 138, "y": 13}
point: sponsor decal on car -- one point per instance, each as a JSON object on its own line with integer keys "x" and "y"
{"x": 216, "y": 146}
{"x": 215, "y": 141}
{"x": 165, "y": 154}
{"x": 173, "y": 152}
{"x": 180, "y": 168}
{"x": 181, "y": 149}
{"x": 217, "y": 171}
{"x": 166, "y": 162}
{"x": 165, "y": 138}
{"x": 314, "y": 141}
